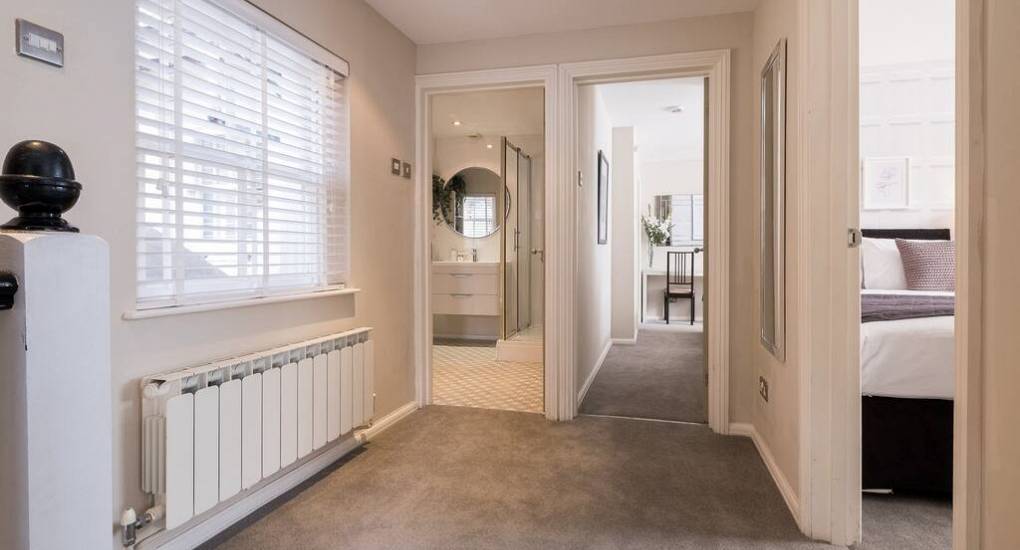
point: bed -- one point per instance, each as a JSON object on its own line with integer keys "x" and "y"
{"x": 907, "y": 383}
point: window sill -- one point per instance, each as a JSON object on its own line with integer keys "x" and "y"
{"x": 167, "y": 311}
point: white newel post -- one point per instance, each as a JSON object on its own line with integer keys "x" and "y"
{"x": 55, "y": 394}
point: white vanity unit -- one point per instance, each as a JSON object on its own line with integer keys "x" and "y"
{"x": 465, "y": 288}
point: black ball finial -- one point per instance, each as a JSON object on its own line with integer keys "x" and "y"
{"x": 38, "y": 181}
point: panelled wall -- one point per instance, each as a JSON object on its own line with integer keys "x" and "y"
{"x": 907, "y": 111}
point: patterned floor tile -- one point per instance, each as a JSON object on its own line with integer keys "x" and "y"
{"x": 470, "y": 376}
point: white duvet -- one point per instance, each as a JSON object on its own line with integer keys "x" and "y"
{"x": 908, "y": 358}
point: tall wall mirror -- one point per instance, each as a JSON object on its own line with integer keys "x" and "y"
{"x": 773, "y": 196}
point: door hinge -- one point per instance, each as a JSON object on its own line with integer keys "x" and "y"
{"x": 854, "y": 237}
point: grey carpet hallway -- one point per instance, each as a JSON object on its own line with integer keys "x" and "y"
{"x": 662, "y": 376}
{"x": 455, "y": 477}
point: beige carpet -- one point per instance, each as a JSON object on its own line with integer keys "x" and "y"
{"x": 662, "y": 376}
{"x": 906, "y": 521}
{"x": 455, "y": 477}
{"x": 470, "y": 376}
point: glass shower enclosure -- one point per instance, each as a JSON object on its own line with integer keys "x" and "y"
{"x": 516, "y": 248}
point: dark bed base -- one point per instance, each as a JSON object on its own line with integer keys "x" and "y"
{"x": 907, "y": 444}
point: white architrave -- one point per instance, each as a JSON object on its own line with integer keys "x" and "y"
{"x": 715, "y": 66}
{"x": 425, "y": 86}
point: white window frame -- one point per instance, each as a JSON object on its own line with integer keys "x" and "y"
{"x": 280, "y": 32}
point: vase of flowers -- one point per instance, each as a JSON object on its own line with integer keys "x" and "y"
{"x": 658, "y": 231}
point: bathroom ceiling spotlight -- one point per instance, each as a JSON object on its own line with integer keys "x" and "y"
{"x": 675, "y": 109}
{"x": 488, "y": 146}
{"x": 456, "y": 123}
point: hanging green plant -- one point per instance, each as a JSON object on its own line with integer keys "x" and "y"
{"x": 444, "y": 197}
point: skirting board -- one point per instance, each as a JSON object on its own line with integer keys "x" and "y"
{"x": 789, "y": 496}
{"x": 222, "y": 519}
{"x": 594, "y": 373}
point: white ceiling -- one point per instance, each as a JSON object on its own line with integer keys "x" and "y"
{"x": 660, "y": 135}
{"x": 435, "y": 21}
{"x": 495, "y": 113}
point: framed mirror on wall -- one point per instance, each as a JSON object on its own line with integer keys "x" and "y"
{"x": 472, "y": 203}
{"x": 773, "y": 200}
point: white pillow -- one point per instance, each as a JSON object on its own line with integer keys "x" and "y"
{"x": 882, "y": 265}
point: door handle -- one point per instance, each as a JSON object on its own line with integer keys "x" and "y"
{"x": 538, "y": 252}
{"x": 854, "y": 237}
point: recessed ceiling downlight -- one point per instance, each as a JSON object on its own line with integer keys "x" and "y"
{"x": 456, "y": 123}
{"x": 675, "y": 109}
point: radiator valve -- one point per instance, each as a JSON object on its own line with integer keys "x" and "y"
{"x": 130, "y": 523}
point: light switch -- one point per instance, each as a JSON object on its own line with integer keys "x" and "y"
{"x": 39, "y": 43}
{"x": 395, "y": 167}
{"x": 406, "y": 170}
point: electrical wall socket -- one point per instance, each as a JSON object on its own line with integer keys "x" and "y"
{"x": 763, "y": 388}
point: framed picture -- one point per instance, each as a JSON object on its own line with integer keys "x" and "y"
{"x": 885, "y": 182}
{"x": 603, "y": 199}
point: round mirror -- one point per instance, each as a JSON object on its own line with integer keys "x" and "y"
{"x": 471, "y": 201}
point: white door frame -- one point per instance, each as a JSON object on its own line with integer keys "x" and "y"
{"x": 830, "y": 399}
{"x": 426, "y": 86}
{"x": 715, "y": 66}
{"x": 970, "y": 181}
{"x": 828, "y": 283}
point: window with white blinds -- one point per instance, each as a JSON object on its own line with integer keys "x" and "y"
{"x": 242, "y": 144}
{"x": 688, "y": 218}
{"x": 479, "y": 215}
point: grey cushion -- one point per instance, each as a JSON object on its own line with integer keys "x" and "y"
{"x": 928, "y": 265}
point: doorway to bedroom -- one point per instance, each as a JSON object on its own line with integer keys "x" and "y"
{"x": 906, "y": 108}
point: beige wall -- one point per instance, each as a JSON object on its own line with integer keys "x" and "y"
{"x": 86, "y": 107}
{"x": 777, "y": 421}
{"x": 733, "y": 32}
{"x": 624, "y": 237}
{"x": 1001, "y": 300}
{"x": 594, "y": 261}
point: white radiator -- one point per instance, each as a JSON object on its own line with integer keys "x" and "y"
{"x": 213, "y": 431}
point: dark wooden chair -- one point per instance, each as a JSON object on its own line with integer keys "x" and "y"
{"x": 679, "y": 280}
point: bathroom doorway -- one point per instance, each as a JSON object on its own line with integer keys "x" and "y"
{"x": 486, "y": 161}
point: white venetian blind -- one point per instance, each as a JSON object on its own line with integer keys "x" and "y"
{"x": 688, "y": 218}
{"x": 242, "y": 151}
{"x": 479, "y": 215}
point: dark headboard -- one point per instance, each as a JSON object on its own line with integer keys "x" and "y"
{"x": 915, "y": 234}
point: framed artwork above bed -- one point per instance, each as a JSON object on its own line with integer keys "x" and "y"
{"x": 885, "y": 183}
